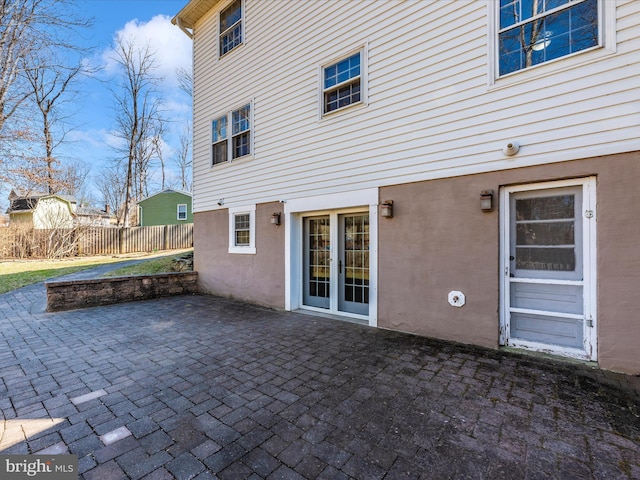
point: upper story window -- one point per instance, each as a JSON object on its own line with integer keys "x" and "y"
{"x": 239, "y": 145}
{"x": 536, "y": 31}
{"x": 342, "y": 82}
{"x": 230, "y": 27}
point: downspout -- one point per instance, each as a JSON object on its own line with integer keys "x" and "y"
{"x": 182, "y": 27}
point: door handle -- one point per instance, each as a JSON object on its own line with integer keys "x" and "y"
{"x": 340, "y": 266}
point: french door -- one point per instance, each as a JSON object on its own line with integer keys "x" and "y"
{"x": 548, "y": 245}
{"x": 336, "y": 262}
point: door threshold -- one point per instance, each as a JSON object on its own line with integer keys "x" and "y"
{"x": 333, "y": 316}
{"x": 557, "y": 357}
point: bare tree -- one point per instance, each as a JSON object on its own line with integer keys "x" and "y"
{"x": 138, "y": 114}
{"x": 49, "y": 85}
{"x": 29, "y": 26}
{"x": 183, "y": 159}
{"x": 185, "y": 81}
{"x": 157, "y": 148}
{"x": 111, "y": 185}
{"x": 73, "y": 178}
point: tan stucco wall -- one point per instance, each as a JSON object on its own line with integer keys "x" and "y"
{"x": 439, "y": 240}
{"x": 255, "y": 278}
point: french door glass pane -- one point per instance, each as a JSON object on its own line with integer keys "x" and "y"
{"x": 319, "y": 257}
{"x": 356, "y": 248}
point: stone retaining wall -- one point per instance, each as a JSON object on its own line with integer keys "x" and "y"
{"x": 103, "y": 291}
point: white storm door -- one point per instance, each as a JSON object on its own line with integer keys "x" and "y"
{"x": 548, "y": 260}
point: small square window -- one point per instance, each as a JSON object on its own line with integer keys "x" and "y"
{"x": 341, "y": 83}
{"x": 182, "y": 211}
{"x": 230, "y": 27}
{"x": 242, "y": 230}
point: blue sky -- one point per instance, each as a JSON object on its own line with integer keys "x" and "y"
{"x": 143, "y": 21}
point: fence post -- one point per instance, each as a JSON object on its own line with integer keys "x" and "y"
{"x": 120, "y": 240}
{"x": 165, "y": 240}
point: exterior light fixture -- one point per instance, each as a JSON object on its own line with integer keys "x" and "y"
{"x": 275, "y": 218}
{"x": 386, "y": 209}
{"x": 486, "y": 200}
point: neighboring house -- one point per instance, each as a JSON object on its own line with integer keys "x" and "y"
{"x": 168, "y": 207}
{"x": 42, "y": 211}
{"x": 461, "y": 170}
{"x": 94, "y": 217}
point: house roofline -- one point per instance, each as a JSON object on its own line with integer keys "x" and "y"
{"x": 166, "y": 190}
{"x": 43, "y": 197}
{"x": 191, "y": 13}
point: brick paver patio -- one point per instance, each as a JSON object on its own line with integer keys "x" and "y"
{"x": 201, "y": 387}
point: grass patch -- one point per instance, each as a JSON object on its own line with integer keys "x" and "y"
{"x": 148, "y": 267}
{"x": 17, "y": 274}
{"x": 20, "y": 273}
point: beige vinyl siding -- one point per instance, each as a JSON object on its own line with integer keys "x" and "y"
{"x": 430, "y": 111}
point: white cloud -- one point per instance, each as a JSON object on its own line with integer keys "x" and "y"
{"x": 172, "y": 48}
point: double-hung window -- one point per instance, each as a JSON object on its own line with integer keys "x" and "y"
{"x": 242, "y": 229}
{"x": 531, "y": 32}
{"x": 342, "y": 83}
{"x": 230, "y": 27}
{"x": 229, "y": 144}
{"x": 182, "y": 211}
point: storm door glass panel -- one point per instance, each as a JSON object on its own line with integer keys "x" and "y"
{"x": 317, "y": 262}
{"x": 546, "y": 236}
{"x": 353, "y": 266}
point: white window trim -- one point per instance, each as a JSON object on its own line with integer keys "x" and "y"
{"x": 186, "y": 211}
{"x": 606, "y": 47}
{"x": 294, "y": 212}
{"x": 242, "y": 21}
{"x": 246, "y": 249}
{"x": 228, "y": 113}
{"x": 364, "y": 75}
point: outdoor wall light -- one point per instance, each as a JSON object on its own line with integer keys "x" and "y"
{"x": 386, "y": 209}
{"x": 486, "y": 200}
{"x": 275, "y": 218}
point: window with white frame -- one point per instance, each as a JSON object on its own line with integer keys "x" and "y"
{"x": 224, "y": 148}
{"x": 342, "y": 83}
{"x": 230, "y": 27}
{"x": 531, "y": 32}
{"x": 182, "y": 211}
{"x": 242, "y": 230}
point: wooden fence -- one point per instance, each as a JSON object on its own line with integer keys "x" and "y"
{"x": 83, "y": 240}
